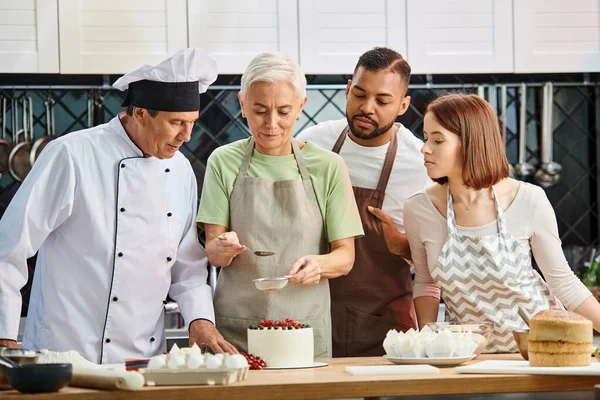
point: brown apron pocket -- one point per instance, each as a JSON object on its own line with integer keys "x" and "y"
{"x": 365, "y": 333}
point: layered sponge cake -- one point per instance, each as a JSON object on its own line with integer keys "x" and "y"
{"x": 560, "y": 338}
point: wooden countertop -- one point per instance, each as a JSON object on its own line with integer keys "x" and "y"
{"x": 333, "y": 382}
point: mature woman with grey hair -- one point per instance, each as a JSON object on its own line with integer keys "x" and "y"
{"x": 273, "y": 192}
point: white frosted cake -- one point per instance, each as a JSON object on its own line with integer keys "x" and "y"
{"x": 282, "y": 344}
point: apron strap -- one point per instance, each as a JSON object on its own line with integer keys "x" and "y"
{"x": 300, "y": 161}
{"x": 388, "y": 164}
{"x": 450, "y": 218}
{"x": 297, "y": 154}
{"x": 247, "y": 158}
{"x": 340, "y": 141}
{"x": 501, "y": 220}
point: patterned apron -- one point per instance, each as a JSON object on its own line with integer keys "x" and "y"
{"x": 284, "y": 217}
{"x": 376, "y": 295}
{"x": 486, "y": 278}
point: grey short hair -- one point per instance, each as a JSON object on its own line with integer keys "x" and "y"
{"x": 272, "y": 68}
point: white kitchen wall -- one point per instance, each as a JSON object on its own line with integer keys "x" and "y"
{"x": 235, "y": 31}
{"x": 28, "y": 36}
{"x": 460, "y": 36}
{"x": 334, "y": 33}
{"x": 113, "y": 36}
{"x": 557, "y": 35}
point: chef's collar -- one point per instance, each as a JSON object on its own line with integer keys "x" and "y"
{"x": 117, "y": 125}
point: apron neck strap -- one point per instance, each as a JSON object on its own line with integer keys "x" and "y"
{"x": 295, "y": 150}
{"x": 388, "y": 164}
{"x": 340, "y": 141}
{"x": 247, "y": 158}
{"x": 300, "y": 161}
{"x": 502, "y": 228}
{"x": 451, "y": 218}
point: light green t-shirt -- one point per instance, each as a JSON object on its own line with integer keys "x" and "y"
{"x": 327, "y": 171}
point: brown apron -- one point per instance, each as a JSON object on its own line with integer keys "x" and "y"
{"x": 376, "y": 295}
{"x": 284, "y": 217}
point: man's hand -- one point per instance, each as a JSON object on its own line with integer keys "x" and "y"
{"x": 306, "y": 271}
{"x": 204, "y": 332}
{"x": 9, "y": 343}
{"x": 396, "y": 242}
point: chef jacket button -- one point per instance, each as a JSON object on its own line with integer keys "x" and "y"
{"x": 115, "y": 298}
{"x": 152, "y": 339}
{"x": 169, "y": 214}
{"x": 122, "y": 209}
{"x": 122, "y": 165}
{"x": 107, "y": 340}
{"x": 169, "y": 259}
{"x": 167, "y": 170}
{"x": 120, "y": 254}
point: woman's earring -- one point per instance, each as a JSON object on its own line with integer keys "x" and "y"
{"x": 298, "y": 118}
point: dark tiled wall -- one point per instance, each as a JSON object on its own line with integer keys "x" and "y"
{"x": 575, "y": 127}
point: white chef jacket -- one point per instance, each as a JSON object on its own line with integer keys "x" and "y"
{"x": 115, "y": 233}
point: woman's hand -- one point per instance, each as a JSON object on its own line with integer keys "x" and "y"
{"x": 221, "y": 246}
{"x": 306, "y": 271}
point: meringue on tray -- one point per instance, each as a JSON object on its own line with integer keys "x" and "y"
{"x": 428, "y": 343}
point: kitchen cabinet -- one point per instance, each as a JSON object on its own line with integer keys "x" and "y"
{"x": 557, "y": 36}
{"x": 114, "y": 37}
{"x": 28, "y": 36}
{"x": 234, "y": 31}
{"x": 334, "y": 33}
{"x": 460, "y": 36}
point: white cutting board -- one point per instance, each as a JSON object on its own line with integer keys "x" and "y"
{"x": 391, "y": 369}
{"x": 522, "y": 367}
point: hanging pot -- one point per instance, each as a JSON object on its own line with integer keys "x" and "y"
{"x": 548, "y": 172}
{"x": 39, "y": 144}
{"x": 19, "y": 163}
{"x": 5, "y": 145}
{"x": 523, "y": 170}
{"x": 504, "y": 122}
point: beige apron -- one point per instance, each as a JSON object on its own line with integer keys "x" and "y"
{"x": 284, "y": 217}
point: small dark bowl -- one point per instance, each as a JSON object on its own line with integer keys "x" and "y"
{"x": 39, "y": 378}
{"x": 522, "y": 339}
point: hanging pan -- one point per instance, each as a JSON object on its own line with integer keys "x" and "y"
{"x": 5, "y": 145}
{"x": 39, "y": 144}
{"x": 18, "y": 162}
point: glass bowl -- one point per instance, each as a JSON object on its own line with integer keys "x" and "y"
{"x": 481, "y": 331}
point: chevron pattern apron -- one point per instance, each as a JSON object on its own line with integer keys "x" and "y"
{"x": 485, "y": 278}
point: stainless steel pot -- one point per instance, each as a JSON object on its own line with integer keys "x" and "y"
{"x": 5, "y": 145}
{"x": 39, "y": 144}
{"x": 523, "y": 170}
{"x": 18, "y": 162}
{"x": 548, "y": 172}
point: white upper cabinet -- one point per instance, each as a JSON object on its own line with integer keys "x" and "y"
{"x": 28, "y": 36}
{"x": 557, "y": 35}
{"x": 234, "y": 31}
{"x": 460, "y": 36}
{"x": 114, "y": 36}
{"x": 334, "y": 33}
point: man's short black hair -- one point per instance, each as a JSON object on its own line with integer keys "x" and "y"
{"x": 383, "y": 58}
